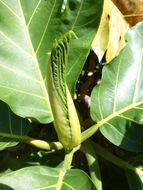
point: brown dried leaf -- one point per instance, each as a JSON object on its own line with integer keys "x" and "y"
{"x": 110, "y": 35}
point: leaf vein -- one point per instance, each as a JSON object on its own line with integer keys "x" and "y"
{"x": 30, "y": 108}
{"x": 70, "y": 70}
{"x": 41, "y": 188}
{"x": 130, "y": 119}
{"x": 73, "y": 25}
{"x": 44, "y": 32}
{"x": 138, "y": 77}
{"x": 99, "y": 104}
{"x": 32, "y": 15}
{"x": 69, "y": 186}
{"x": 111, "y": 116}
{"x": 122, "y": 135}
{"x": 7, "y": 144}
{"x": 36, "y": 61}
{"x": 89, "y": 22}
{"x": 10, "y": 9}
{"x": 21, "y": 73}
{"x": 138, "y": 108}
{"x": 116, "y": 85}
{"x": 21, "y": 91}
{"x": 13, "y": 43}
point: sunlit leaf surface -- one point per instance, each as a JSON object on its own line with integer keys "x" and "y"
{"x": 28, "y": 30}
{"x": 117, "y": 102}
{"x": 42, "y": 177}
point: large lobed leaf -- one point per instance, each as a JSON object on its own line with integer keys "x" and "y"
{"x": 42, "y": 177}
{"x": 27, "y": 32}
{"x": 11, "y": 124}
{"x": 117, "y": 103}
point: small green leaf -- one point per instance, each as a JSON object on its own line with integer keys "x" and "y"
{"x": 117, "y": 102}
{"x": 11, "y": 124}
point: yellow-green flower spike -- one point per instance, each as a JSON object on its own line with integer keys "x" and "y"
{"x": 64, "y": 113}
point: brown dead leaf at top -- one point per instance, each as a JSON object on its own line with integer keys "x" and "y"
{"x": 131, "y": 9}
{"x": 110, "y": 35}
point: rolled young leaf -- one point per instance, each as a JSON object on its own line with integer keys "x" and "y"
{"x": 65, "y": 117}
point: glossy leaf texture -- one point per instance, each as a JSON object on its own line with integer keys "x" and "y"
{"x": 117, "y": 102}
{"x": 11, "y": 124}
{"x": 42, "y": 177}
{"x": 28, "y": 30}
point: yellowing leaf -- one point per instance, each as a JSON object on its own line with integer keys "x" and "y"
{"x": 110, "y": 35}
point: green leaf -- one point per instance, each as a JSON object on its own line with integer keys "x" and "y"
{"x": 117, "y": 103}
{"x": 31, "y": 158}
{"x": 93, "y": 164}
{"x": 42, "y": 177}
{"x": 27, "y": 32}
{"x": 11, "y": 124}
{"x": 135, "y": 179}
{"x": 84, "y": 16}
{"x": 77, "y": 179}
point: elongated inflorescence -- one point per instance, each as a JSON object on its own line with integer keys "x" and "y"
{"x": 65, "y": 117}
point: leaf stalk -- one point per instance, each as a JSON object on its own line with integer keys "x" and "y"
{"x": 89, "y": 132}
{"x": 35, "y": 142}
{"x": 66, "y": 166}
{"x": 114, "y": 159}
{"x": 88, "y": 149}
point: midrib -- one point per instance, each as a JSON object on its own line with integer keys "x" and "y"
{"x": 35, "y": 59}
{"x": 89, "y": 132}
{"x": 117, "y": 113}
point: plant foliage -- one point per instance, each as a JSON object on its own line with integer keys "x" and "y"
{"x": 44, "y": 137}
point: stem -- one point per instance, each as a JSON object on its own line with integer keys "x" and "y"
{"x": 68, "y": 160}
{"x": 89, "y": 132}
{"x": 66, "y": 166}
{"x": 45, "y": 145}
{"x": 133, "y": 15}
{"x": 105, "y": 154}
{"x": 112, "y": 158}
{"x": 35, "y": 142}
{"x": 88, "y": 150}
